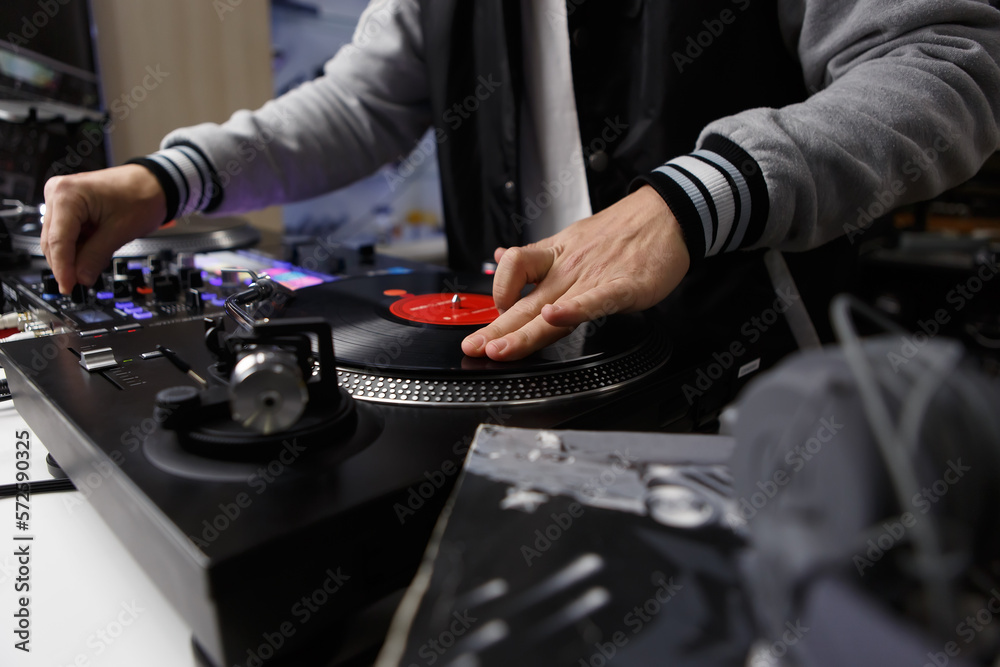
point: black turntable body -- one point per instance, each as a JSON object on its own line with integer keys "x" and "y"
{"x": 266, "y": 547}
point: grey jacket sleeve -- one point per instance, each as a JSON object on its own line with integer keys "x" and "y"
{"x": 369, "y": 107}
{"x": 906, "y": 104}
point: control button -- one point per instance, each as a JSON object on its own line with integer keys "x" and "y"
{"x": 49, "y": 284}
{"x": 97, "y": 359}
{"x": 120, "y": 266}
{"x": 136, "y": 277}
{"x": 155, "y": 264}
{"x": 192, "y": 298}
{"x": 598, "y": 161}
{"x": 151, "y": 355}
{"x": 166, "y": 288}
{"x": 90, "y": 333}
{"x": 105, "y": 296}
{"x": 143, "y": 315}
{"x": 190, "y": 277}
{"x": 123, "y": 304}
{"x": 127, "y": 327}
{"x": 122, "y": 287}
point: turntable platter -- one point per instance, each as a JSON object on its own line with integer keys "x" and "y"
{"x": 397, "y": 339}
{"x": 191, "y": 234}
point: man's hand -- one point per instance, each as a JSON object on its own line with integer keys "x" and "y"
{"x": 89, "y": 216}
{"x": 626, "y": 258}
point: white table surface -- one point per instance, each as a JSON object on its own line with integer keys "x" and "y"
{"x": 90, "y": 603}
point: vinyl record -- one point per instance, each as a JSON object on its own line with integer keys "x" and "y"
{"x": 190, "y": 234}
{"x": 398, "y": 338}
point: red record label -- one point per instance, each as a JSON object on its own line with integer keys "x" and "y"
{"x": 455, "y": 308}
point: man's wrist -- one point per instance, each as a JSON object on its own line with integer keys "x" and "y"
{"x": 189, "y": 181}
{"x": 663, "y": 215}
{"x": 718, "y": 195}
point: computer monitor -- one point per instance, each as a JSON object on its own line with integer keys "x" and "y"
{"x": 47, "y": 53}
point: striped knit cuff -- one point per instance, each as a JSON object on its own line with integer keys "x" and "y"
{"x": 718, "y": 195}
{"x": 187, "y": 178}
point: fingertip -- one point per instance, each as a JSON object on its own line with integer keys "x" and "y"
{"x": 498, "y": 350}
{"x": 552, "y": 310}
{"x": 498, "y": 253}
{"x": 561, "y": 315}
{"x": 473, "y": 345}
{"x": 65, "y": 275}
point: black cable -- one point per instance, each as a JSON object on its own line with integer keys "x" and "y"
{"x": 37, "y": 486}
{"x": 891, "y": 438}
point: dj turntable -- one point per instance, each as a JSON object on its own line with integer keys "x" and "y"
{"x": 186, "y": 235}
{"x": 288, "y": 431}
